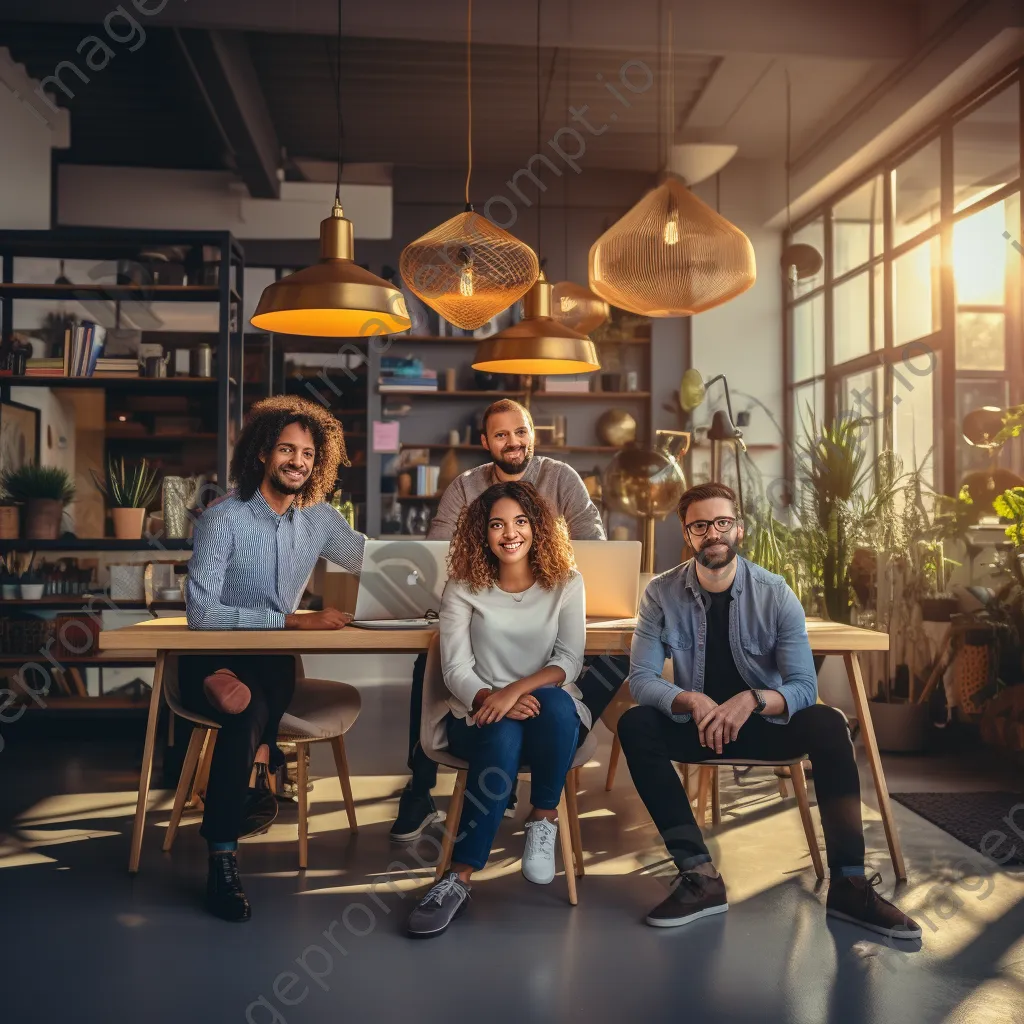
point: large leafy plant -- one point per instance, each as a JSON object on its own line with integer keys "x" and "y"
{"x": 31, "y": 482}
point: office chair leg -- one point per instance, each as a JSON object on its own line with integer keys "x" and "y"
{"x": 573, "y": 821}
{"x": 613, "y": 763}
{"x": 565, "y": 838}
{"x": 301, "y": 786}
{"x": 716, "y": 798}
{"x": 188, "y": 769}
{"x": 341, "y": 763}
{"x": 451, "y": 823}
{"x": 800, "y": 788}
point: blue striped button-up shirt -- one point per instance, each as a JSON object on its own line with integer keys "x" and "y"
{"x": 250, "y": 566}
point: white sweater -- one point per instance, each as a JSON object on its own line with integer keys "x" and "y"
{"x": 492, "y": 638}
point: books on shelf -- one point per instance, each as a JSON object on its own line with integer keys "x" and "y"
{"x": 83, "y": 344}
{"x": 386, "y": 384}
{"x": 121, "y": 367}
{"x": 398, "y": 374}
{"x": 426, "y": 479}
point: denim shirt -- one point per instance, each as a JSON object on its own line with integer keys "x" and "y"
{"x": 767, "y": 635}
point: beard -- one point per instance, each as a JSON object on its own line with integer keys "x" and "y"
{"x": 514, "y": 468}
{"x": 283, "y": 485}
{"x": 719, "y": 558}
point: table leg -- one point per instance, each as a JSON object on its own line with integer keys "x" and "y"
{"x": 867, "y": 731}
{"x": 147, "y": 763}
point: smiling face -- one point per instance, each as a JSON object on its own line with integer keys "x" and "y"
{"x": 509, "y": 439}
{"x": 509, "y": 534}
{"x": 717, "y": 547}
{"x": 290, "y": 461}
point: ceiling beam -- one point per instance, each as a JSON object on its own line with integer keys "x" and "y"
{"x": 869, "y": 29}
{"x": 226, "y": 80}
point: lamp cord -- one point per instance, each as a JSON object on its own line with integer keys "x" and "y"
{"x": 335, "y": 67}
{"x": 565, "y": 180}
{"x": 469, "y": 96}
{"x": 540, "y": 191}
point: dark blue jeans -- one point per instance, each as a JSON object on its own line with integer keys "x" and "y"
{"x": 495, "y": 752}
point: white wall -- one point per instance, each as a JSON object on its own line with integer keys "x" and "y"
{"x": 24, "y": 165}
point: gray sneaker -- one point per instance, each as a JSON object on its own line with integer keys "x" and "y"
{"x": 443, "y": 902}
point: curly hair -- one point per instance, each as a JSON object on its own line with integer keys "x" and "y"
{"x": 470, "y": 559}
{"x": 263, "y": 427}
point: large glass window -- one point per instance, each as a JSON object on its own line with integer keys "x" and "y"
{"x": 915, "y": 292}
{"x": 913, "y": 406}
{"x": 986, "y": 148}
{"x": 915, "y": 193}
{"x": 857, "y": 229}
{"x": 808, "y": 334}
{"x": 853, "y": 317}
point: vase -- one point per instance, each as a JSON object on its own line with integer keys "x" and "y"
{"x": 42, "y": 518}
{"x": 8, "y": 522}
{"x": 128, "y": 522}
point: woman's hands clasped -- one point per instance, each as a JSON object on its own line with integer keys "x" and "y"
{"x": 493, "y": 706}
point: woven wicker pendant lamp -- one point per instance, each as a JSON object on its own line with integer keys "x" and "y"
{"x": 671, "y": 254}
{"x": 468, "y": 269}
{"x": 335, "y": 298}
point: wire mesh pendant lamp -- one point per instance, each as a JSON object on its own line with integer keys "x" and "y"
{"x": 537, "y": 344}
{"x": 671, "y": 254}
{"x": 468, "y": 269}
{"x": 334, "y": 298}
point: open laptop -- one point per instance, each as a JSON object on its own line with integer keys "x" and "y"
{"x": 401, "y": 583}
{"x": 611, "y": 577}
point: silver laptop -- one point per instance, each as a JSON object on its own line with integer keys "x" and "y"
{"x": 400, "y": 584}
{"x": 611, "y": 577}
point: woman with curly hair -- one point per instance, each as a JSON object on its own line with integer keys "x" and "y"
{"x": 253, "y": 551}
{"x": 513, "y": 631}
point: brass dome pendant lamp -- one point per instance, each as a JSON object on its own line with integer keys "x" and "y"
{"x": 468, "y": 269}
{"x": 671, "y": 254}
{"x": 537, "y": 344}
{"x": 335, "y": 298}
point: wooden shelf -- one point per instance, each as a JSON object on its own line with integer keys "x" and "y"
{"x": 750, "y": 447}
{"x": 125, "y": 435}
{"x": 113, "y": 381}
{"x": 494, "y": 395}
{"x": 115, "y": 292}
{"x": 98, "y": 602}
{"x": 593, "y": 396}
{"x": 412, "y": 497}
{"x": 596, "y": 449}
{"x": 433, "y": 339}
{"x": 125, "y": 659}
{"x": 95, "y": 544}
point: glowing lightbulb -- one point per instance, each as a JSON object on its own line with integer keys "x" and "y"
{"x": 466, "y": 280}
{"x": 567, "y": 303}
{"x": 671, "y": 234}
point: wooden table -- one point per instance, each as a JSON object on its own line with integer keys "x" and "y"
{"x": 172, "y": 635}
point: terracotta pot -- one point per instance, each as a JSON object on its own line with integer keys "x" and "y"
{"x": 8, "y": 522}
{"x": 128, "y": 522}
{"x": 42, "y": 518}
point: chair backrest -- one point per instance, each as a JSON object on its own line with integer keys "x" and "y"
{"x": 435, "y": 702}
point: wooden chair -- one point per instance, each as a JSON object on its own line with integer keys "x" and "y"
{"x": 435, "y": 707}
{"x": 321, "y": 710}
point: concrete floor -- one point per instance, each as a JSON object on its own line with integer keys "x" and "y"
{"x": 84, "y": 941}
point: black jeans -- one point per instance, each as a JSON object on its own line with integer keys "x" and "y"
{"x": 271, "y": 681}
{"x": 651, "y": 741}
{"x": 601, "y": 679}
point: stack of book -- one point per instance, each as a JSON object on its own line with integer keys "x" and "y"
{"x": 117, "y": 366}
{"x": 397, "y": 374}
{"x": 426, "y": 479}
{"x": 44, "y": 367}
{"x": 83, "y": 344}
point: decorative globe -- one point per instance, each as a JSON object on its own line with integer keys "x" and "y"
{"x": 642, "y": 482}
{"x": 616, "y": 428}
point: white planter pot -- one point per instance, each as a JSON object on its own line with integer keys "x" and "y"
{"x": 32, "y": 591}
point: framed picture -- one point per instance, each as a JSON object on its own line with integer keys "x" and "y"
{"x": 19, "y": 435}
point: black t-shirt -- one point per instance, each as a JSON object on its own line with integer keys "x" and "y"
{"x": 721, "y": 677}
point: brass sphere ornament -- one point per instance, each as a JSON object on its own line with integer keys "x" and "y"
{"x": 616, "y": 428}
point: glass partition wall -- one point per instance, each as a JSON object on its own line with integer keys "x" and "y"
{"x": 915, "y": 317}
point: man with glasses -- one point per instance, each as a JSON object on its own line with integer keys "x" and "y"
{"x": 745, "y": 687}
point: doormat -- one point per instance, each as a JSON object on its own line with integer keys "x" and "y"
{"x": 969, "y": 817}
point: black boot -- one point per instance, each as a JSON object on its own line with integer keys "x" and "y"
{"x": 225, "y": 897}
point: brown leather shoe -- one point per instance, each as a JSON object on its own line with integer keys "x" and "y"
{"x": 854, "y": 899}
{"x": 693, "y": 896}
{"x": 226, "y": 692}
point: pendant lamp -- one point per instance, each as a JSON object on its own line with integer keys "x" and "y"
{"x": 671, "y": 255}
{"x": 538, "y": 344}
{"x": 577, "y": 307}
{"x": 335, "y": 298}
{"x": 467, "y": 269}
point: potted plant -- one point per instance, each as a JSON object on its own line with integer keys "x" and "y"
{"x": 8, "y": 585}
{"x": 42, "y": 492}
{"x": 130, "y": 491}
{"x": 31, "y": 585}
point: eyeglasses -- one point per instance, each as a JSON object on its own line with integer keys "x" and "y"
{"x": 723, "y": 524}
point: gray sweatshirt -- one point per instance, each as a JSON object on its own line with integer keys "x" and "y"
{"x": 556, "y": 482}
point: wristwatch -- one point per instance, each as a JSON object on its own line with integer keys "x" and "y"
{"x": 761, "y": 704}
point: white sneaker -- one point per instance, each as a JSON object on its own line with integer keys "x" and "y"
{"x": 539, "y": 855}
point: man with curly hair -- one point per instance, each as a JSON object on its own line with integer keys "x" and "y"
{"x": 253, "y": 553}
{"x": 507, "y": 436}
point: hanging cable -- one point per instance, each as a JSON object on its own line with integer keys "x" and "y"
{"x": 469, "y": 97}
{"x": 334, "y": 64}
{"x": 540, "y": 190}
